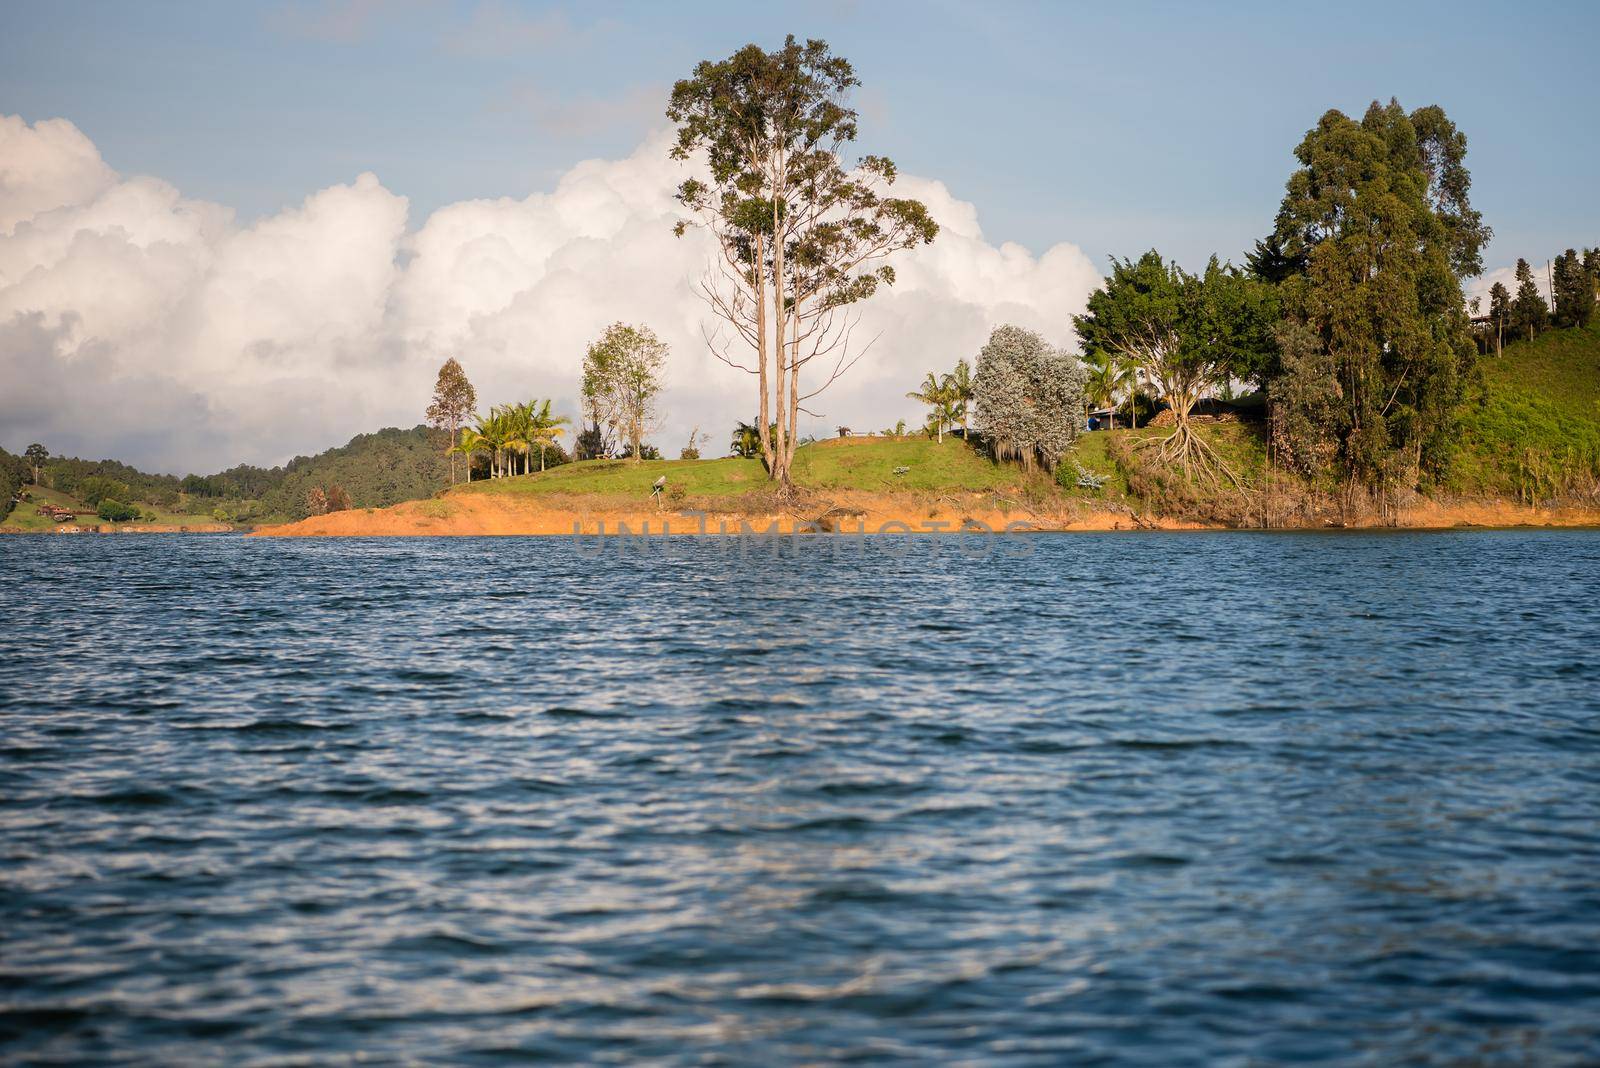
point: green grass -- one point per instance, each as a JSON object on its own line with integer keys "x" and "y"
{"x": 1535, "y": 427}
{"x": 853, "y": 464}
{"x": 25, "y": 516}
{"x": 700, "y": 478}
{"x": 951, "y": 466}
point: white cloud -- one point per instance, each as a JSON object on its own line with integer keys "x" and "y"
{"x": 139, "y": 324}
{"x": 1507, "y": 276}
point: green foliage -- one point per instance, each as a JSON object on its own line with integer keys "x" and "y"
{"x": 1529, "y": 313}
{"x": 1574, "y": 291}
{"x": 15, "y": 472}
{"x": 378, "y": 469}
{"x": 97, "y": 488}
{"x": 1189, "y": 336}
{"x": 1306, "y": 400}
{"x": 116, "y": 511}
{"x": 1533, "y": 430}
{"x": 746, "y": 440}
{"x": 801, "y": 232}
{"x": 1379, "y": 212}
{"x": 622, "y": 382}
{"x": 939, "y": 393}
{"x": 69, "y": 475}
{"x": 453, "y": 401}
{"x": 515, "y": 439}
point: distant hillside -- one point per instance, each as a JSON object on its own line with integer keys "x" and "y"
{"x": 13, "y": 473}
{"x": 1533, "y": 431}
{"x": 375, "y": 470}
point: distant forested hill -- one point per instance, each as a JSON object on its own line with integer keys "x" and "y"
{"x": 377, "y": 469}
{"x": 373, "y": 470}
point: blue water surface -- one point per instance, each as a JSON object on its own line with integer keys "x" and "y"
{"x": 1181, "y": 799}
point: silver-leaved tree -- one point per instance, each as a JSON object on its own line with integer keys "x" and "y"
{"x": 1029, "y": 397}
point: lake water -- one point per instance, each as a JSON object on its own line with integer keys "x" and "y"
{"x": 1123, "y": 799}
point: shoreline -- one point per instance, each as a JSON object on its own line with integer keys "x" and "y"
{"x": 854, "y": 514}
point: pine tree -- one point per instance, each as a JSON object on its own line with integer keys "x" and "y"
{"x": 1574, "y": 291}
{"x": 1529, "y": 313}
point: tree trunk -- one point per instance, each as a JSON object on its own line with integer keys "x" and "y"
{"x": 541, "y": 459}
{"x": 763, "y": 433}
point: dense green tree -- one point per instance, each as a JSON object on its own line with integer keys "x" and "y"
{"x": 14, "y": 473}
{"x": 116, "y": 511}
{"x": 801, "y": 235}
{"x": 1529, "y": 312}
{"x": 1269, "y": 263}
{"x": 37, "y": 455}
{"x": 1028, "y": 397}
{"x": 97, "y": 488}
{"x": 1574, "y": 291}
{"x": 1188, "y": 335}
{"x": 1379, "y": 212}
{"x": 453, "y": 401}
{"x": 1307, "y": 412}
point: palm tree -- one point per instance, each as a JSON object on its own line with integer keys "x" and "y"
{"x": 936, "y": 395}
{"x": 470, "y": 444}
{"x": 959, "y": 385}
{"x": 1109, "y": 378}
{"x": 746, "y": 439}
{"x": 1101, "y": 387}
{"x": 491, "y": 433}
{"x": 544, "y": 428}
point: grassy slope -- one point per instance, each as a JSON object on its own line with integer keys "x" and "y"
{"x": 25, "y": 516}
{"x": 1536, "y": 424}
{"x": 1541, "y": 400}
{"x": 851, "y": 464}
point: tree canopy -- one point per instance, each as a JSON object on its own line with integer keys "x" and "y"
{"x": 622, "y": 381}
{"x": 454, "y": 400}
{"x": 1379, "y": 213}
{"x": 800, "y": 235}
{"x": 1188, "y": 335}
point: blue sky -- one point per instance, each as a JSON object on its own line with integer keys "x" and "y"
{"x": 1114, "y": 127}
{"x": 406, "y": 182}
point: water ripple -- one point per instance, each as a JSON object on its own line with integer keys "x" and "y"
{"x": 1124, "y": 800}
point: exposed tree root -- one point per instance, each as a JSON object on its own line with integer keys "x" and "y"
{"x": 1190, "y": 453}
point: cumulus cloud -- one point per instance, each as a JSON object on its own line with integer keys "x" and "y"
{"x": 1478, "y": 288}
{"x": 140, "y": 324}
